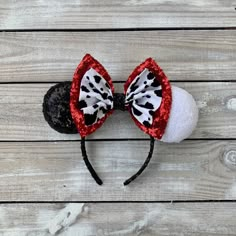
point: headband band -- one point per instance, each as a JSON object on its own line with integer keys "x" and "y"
{"x": 83, "y": 105}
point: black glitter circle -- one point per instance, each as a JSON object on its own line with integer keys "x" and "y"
{"x": 56, "y": 108}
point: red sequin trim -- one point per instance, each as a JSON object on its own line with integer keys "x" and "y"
{"x": 87, "y": 62}
{"x": 161, "y": 115}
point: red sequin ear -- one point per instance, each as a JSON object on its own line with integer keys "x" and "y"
{"x": 84, "y": 127}
{"x": 136, "y": 82}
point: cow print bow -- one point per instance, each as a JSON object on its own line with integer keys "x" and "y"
{"x": 147, "y": 96}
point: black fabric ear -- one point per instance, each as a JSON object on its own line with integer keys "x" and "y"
{"x": 56, "y": 108}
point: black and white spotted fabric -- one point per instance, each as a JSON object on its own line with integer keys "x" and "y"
{"x": 144, "y": 96}
{"x": 95, "y": 98}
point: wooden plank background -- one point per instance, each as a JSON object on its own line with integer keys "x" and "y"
{"x": 54, "y": 171}
{"x": 188, "y": 189}
{"x": 186, "y": 55}
{"x": 110, "y": 14}
{"x": 119, "y": 219}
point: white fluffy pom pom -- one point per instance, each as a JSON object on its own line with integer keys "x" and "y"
{"x": 183, "y": 116}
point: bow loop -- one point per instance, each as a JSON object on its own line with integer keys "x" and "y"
{"x": 144, "y": 97}
{"x": 148, "y": 97}
{"x": 91, "y": 96}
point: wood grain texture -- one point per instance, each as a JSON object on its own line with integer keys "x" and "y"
{"x": 58, "y": 14}
{"x": 21, "y": 116}
{"x": 38, "y": 164}
{"x": 53, "y": 56}
{"x": 126, "y": 219}
{"x": 54, "y": 171}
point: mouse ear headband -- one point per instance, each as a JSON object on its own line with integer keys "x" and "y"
{"x": 165, "y": 112}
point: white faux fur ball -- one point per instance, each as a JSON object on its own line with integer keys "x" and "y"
{"x": 183, "y": 116}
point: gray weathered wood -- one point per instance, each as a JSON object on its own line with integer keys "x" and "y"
{"x": 21, "y": 116}
{"x": 54, "y": 171}
{"x": 58, "y": 14}
{"x": 53, "y": 56}
{"x": 120, "y": 219}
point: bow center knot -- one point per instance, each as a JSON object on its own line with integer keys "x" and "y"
{"x": 119, "y": 101}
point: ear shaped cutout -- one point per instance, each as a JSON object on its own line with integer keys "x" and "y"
{"x": 148, "y": 97}
{"x": 91, "y": 96}
{"x": 56, "y": 108}
{"x": 183, "y": 116}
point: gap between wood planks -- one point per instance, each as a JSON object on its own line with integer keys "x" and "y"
{"x": 122, "y": 81}
{"x": 107, "y": 140}
{"x": 101, "y": 202}
{"x": 118, "y": 30}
